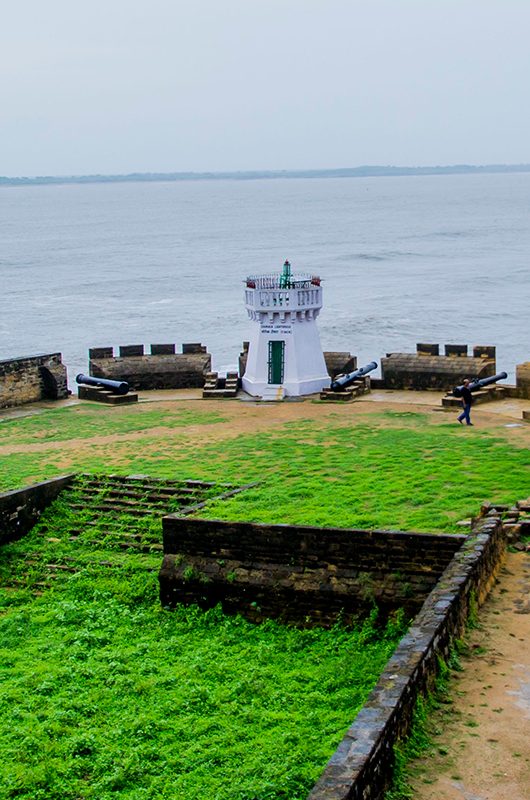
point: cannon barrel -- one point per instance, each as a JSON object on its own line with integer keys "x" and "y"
{"x": 344, "y": 380}
{"x": 118, "y": 387}
{"x": 475, "y": 385}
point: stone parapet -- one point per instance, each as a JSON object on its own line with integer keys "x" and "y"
{"x": 21, "y": 509}
{"x": 32, "y": 378}
{"x": 522, "y": 380}
{"x": 423, "y": 371}
{"x": 163, "y": 368}
{"x": 339, "y": 363}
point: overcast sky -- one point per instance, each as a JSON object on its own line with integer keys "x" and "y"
{"x": 114, "y": 86}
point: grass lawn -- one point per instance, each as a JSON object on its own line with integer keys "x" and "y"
{"x": 104, "y": 694}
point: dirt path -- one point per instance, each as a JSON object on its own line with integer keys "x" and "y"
{"x": 482, "y": 750}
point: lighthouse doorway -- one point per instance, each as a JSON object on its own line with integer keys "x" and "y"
{"x": 276, "y": 361}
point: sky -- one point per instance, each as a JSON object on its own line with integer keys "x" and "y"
{"x": 120, "y": 86}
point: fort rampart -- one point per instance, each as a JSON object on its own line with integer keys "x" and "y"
{"x": 44, "y": 377}
{"x": 427, "y": 369}
{"x": 32, "y": 378}
{"x": 161, "y": 368}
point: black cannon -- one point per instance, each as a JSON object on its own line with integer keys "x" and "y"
{"x": 344, "y": 380}
{"x": 118, "y": 387}
{"x": 475, "y": 385}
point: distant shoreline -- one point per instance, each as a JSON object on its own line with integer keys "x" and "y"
{"x": 344, "y": 172}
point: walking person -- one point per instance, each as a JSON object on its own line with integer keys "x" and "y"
{"x": 467, "y": 400}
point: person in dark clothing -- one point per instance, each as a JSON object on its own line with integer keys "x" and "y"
{"x": 467, "y": 400}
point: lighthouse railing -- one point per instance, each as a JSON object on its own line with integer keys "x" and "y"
{"x": 275, "y": 281}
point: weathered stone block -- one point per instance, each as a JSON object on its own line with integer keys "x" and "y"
{"x": 456, "y": 350}
{"x": 131, "y": 350}
{"x": 101, "y": 352}
{"x": 191, "y": 348}
{"x": 30, "y": 379}
{"x": 162, "y": 349}
{"x": 423, "y": 349}
{"x": 484, "y": 351}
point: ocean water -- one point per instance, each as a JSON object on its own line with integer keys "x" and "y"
{"x": 403, "y": 260}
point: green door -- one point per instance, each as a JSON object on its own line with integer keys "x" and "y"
{"x": 276, "y": 361}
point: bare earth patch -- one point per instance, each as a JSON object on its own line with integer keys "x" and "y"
{"x": 250, "y": 417}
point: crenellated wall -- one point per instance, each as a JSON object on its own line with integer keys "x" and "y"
{"x": 32, "y": 378}
{"x": 427, "y": 369}
{"x": 161, "y": 368}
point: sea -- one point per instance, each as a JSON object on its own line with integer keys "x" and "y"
{"x": 434, "y": 259}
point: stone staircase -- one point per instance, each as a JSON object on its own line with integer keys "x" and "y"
{"x": 107, "y": 518}
{"x": 220, "y": 387}
{"x": 124, "y": 512}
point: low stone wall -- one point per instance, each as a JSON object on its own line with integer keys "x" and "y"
{"x": 361, "y": 767}
{"x": 162, "y": 368}
{"x": 32, "y": 378}
{"x": 427, "y": 369}
{"x": 299, "y": 574}
{"x": 21, "y": 509}
{"x": 522, "y": 381}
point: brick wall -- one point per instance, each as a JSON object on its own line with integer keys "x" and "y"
{"x": 162, "y": 368}
{"x": 32, "y": 378}
{"x": 21, "y": 509}
{"x": 298, "y": 573}
{"x": 424, "y": 370}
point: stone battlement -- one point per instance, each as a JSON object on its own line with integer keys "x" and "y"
{"x": 427, "y": 369}
{"x": 32, "y": 378}
{"x": 161, "y": 368}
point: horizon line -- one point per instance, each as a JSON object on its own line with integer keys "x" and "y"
{"x": 255, "y": 174}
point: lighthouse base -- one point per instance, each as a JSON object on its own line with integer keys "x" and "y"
{"x": 288, "y": 389}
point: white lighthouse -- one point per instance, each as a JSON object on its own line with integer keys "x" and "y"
{"x": 284, "y": 355}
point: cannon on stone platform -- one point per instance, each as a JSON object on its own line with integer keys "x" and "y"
{"x": 117, "y": 387}
{"x": 343, "y": 381}
{"x": 475, "y": 385}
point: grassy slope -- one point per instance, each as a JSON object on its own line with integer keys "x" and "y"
{"x": 106, "y": 694}
{"x": 395, "y": 471}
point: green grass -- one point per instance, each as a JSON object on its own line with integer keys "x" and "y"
{"x": 85, "y": 422}
{"x": 106, "y": 694}
{"x": 396, "y": 471}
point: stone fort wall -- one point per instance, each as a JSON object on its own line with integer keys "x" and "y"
{"x": 427, "y": 369}
{"x": 32, "y": 378}
{"x": 161, "y": 368}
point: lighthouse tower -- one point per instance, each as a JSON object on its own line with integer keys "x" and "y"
{"x": 285, "y": 355}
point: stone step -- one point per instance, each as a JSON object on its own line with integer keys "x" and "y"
{"x": 148, "y": 480}
{"x": 486, "y": 395}
{"x": 119, "y": 509}
{"x": 155, "y": 497}
{"x": 142, "y": 486}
